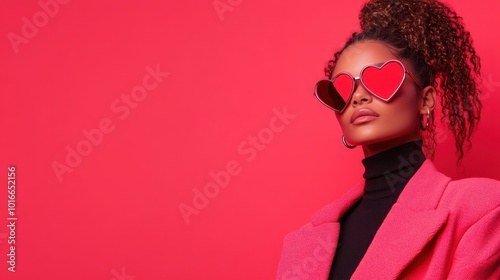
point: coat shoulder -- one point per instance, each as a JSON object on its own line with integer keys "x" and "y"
{"x": 472, "y": 197}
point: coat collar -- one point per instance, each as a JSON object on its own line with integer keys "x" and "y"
{"x": 411, "y": 223}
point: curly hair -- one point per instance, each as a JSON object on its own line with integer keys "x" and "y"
{"x": 432, "y": 37}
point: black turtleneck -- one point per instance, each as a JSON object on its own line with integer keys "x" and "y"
{"x": 386, "y": 175}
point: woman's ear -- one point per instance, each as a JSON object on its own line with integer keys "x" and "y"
{"x": 428, "y": 99}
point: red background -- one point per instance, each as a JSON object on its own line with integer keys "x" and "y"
{"x": 116, "y": 215}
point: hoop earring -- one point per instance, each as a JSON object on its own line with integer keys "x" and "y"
{"x": 427, "y": 123}
{"x": 347, "y": 145}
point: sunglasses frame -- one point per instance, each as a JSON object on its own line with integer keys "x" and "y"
{"x": 354, "y": 79}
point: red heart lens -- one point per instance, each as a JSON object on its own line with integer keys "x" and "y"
{"x": 328, "y": 95}
{"x": 385, "y": 81}
{"x": 344, "y": 84}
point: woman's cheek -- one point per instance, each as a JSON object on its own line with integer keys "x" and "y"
{"x": 343, "y": 120}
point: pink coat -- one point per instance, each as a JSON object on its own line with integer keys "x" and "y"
{"x": 437, "y": 229}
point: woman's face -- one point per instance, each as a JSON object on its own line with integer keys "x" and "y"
{"x": 392, "y": 123}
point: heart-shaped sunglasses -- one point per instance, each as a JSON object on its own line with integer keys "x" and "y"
{"x": 381, "y": 81}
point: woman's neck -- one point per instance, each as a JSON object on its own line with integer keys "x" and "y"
{"x": 375, "y": 148}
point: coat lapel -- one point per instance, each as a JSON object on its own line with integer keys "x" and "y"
{"x": 412, "y": 222}
{"x": 308, "y": 252}
{"x": 401, "y": 237}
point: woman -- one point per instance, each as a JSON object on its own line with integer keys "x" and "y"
{"x": 404, "y": 219}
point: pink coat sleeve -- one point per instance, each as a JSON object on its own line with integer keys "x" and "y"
{"x": 478, "y": 255}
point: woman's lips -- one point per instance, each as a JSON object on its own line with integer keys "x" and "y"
{"x": 363, "y": 115}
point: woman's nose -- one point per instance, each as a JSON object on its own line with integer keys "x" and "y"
{"x": 361, "y": 95}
